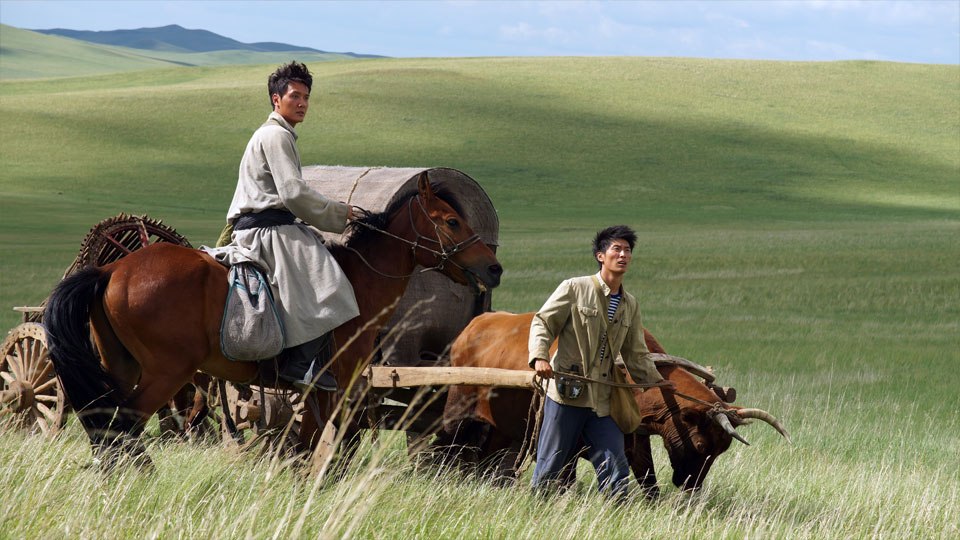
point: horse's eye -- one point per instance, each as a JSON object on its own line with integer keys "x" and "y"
{"x": 453, "y": 223}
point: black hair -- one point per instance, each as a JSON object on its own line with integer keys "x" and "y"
{"x": 281, "y": 78}
{"x": 605, "y": 237}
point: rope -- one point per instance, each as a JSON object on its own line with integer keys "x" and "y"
{"x": 536, "y": 412}
{"x": 356, "y": 183}
{"x": 660, "y": 384}
{"x": 611, "y": 383}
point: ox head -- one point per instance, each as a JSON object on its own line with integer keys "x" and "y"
{"x": 695, "y": 433}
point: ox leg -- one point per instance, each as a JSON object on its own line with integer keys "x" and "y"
{"x": 498, "y": 457}
{"x": 640, "y": 457}
{"x": 463, "y": 446}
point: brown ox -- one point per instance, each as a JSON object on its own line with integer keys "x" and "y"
{"x": 486, "y": 427}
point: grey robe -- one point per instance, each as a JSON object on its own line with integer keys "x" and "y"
{"x": 312, "y": 292}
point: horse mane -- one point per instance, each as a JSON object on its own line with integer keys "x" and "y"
{"x": 361, "y": 231}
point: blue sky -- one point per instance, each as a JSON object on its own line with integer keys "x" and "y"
{"x": 902, "y": 31}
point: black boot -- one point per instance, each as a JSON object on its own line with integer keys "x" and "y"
{"x": 300, "y": 362}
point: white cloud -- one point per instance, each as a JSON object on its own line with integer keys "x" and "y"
{"x": 609, "y": 29}
{"x": 726, "y": 20}
{"x": 526, "y": 32}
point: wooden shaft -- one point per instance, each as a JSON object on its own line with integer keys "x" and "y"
{"x": 392, "y": 377}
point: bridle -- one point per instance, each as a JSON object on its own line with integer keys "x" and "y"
{"x": 444, "y": 253}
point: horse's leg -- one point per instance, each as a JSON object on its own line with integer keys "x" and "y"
{"x": 153, "y": 392}
{"x": 125, "y": 372}
{"x": 174, "y": 416}
{"x": 318, "y": 430}
{"x": 116, "y": 359}
{"x": 194, "y": 424}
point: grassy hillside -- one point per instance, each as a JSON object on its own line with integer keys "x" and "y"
{"x": 172, "y": 37}
{"x": 681, "y": 144}
{"x": 799, "y": 231}
{"x": 32, "y": 55}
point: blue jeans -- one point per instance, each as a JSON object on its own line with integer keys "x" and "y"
{"x": 561, "y": 431}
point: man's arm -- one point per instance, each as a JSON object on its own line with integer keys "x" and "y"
{"x": 546, "y": 326}
{"x": 305, "y": 203}
{"x": 637, "y": 357}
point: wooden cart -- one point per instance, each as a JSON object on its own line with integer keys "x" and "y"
{"x": 31, "y": 392}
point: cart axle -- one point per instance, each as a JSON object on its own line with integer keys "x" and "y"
{"x": 18, "y": 397}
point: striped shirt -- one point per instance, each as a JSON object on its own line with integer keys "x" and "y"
{"x": 614, "y": 304}
{"x": 611, "y": 310}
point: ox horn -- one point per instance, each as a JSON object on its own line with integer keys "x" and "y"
{"x": 724, "y": 422}
{"x": 761, "y": 414}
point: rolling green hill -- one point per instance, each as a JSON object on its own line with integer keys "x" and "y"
{"x": 659, "y": 143}
{"x": 172, "y": 38}
{"x": 799, "y": 227}
{"x": 32, "y": 55}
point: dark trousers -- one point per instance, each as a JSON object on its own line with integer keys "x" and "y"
{"x": 561, "y": 431}
{"x": 297, "y": 359}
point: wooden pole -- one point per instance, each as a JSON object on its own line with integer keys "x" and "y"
{"x": 395, "y": 377}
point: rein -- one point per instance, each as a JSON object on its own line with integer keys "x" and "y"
{"x": 443, "y": 255}
{"x": 660, "y": 384}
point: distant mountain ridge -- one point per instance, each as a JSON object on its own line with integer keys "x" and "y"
{"x": 175, "y": 38}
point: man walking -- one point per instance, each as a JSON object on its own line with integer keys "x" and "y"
{"x": 594, "y": 319}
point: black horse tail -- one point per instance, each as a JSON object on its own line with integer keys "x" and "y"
{"x": 91, "y": 390}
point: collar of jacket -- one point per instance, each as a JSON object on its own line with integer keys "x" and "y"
{"x": 603, "y": 291}
{"x": 279, "y": 120}
{"x": 603, "y": 285}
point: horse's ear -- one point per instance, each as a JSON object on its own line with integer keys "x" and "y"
{"x": 423, "y": 186}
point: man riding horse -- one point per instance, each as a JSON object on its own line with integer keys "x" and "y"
{"x": 313, "y": 295}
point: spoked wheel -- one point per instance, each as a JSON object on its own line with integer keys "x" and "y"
{"x": 31, "y": 392}
{"x": 266, "y": 419}
{"x": 116, "y": 237}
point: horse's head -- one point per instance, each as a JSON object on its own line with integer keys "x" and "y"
{"x": 444, "y": 241}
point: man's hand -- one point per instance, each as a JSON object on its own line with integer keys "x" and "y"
{"x": 350, "y": 214}
{"x": 543, "y": 369}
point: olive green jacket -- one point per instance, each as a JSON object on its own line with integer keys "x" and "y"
{"x": 576, "y": 316}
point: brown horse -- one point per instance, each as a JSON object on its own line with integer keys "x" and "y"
{"x": 155, "y": 314}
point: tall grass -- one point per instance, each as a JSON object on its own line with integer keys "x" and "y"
{"x": 767, "y": 490}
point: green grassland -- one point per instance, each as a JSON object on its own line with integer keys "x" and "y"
{"x": 799, "y": 231}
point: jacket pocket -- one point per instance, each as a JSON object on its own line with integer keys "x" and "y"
{"x": 588, "y": 311}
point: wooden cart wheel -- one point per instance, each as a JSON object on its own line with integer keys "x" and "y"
{"x": 267, "y": 421}
{"x": 111, "y": 240}
{"x": 31, "y": 391}
{"x": 116, "y": 237}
